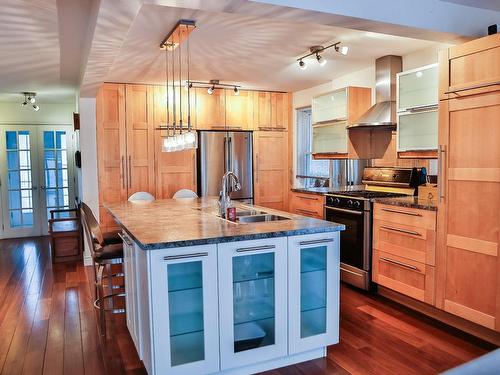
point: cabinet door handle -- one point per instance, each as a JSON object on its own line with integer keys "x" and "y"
{"x": 125, "y": 239}
{"x": 306, "y": 211}
{"x": 431, "y": 107}
{"x": 401, "y": 264}
{"x": 185, "y": 256}
{"x": 401, "y": 212}
{"x": 441, "y": 167}
{"x": 402, "y": 231}
{"x": 308, "y": 198}
{"x": 194, "y": 170}
{"x": 313, "y": 242}
{"x": 255, "y": 248}
{"x": 257, "y": 167}
{"x": 129, "y": 171}
{"x": 123, "y": 172}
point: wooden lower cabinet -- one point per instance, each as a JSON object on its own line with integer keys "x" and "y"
{"x": 404, "y": 250}
{"x": 271, "y": 169}
{"x": 311, "y": 205}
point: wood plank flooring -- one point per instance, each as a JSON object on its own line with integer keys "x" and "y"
{"x": 48, "y": 326}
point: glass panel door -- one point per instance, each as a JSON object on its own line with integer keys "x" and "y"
{"x": 253, "y": 300}
{"x": 330, "y": 106}
{"x": 313, "y": 263}
{"x": 19, "y": 203}
{"x": 418, "y": 88}
{"x": 185, "y": 302}
{"x": 418, "y": 131}
{"x": 329, "y": 138}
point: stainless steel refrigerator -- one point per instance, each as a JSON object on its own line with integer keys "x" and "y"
{"x": 219, "y": 152}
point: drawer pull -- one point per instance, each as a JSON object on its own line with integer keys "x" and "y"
{"x": 306, "y": 211}
{"x": 255, "y": 248}
{"x": 308, "y": 198}
{"x": 402, "y": 231}
{"x": 405, "y": 265}
{"x": 313, "y": 242}
{"x": 185, "y": 256}
{"x": 402, "y": 212}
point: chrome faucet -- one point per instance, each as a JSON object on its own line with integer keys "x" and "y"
{"x": 224, "y": 195}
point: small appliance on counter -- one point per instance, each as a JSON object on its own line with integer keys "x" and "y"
{"x": 354, "y": 209}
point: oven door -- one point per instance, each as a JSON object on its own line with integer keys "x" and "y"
{"x": 355, "y": 240}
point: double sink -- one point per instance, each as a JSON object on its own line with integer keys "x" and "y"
{"x": 249, "y": 215}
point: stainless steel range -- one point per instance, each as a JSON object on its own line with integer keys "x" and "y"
{"x": 353, "y": 208}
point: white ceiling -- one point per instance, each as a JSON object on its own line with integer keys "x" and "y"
{"x": 252, "y": 51}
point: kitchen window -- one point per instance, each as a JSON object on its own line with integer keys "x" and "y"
{"x": 309, "y": 171}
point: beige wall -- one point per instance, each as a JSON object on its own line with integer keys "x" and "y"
{"x": 11, "y": 113}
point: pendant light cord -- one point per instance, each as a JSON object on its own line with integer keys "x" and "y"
{"x": 180, "y": 80}
{"x": 167, "y": 114}
{"x": 189, "y": 88}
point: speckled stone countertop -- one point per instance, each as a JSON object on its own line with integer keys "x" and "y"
{"x": 411, "y": 202}
{"x": 327, "y": 190}
{"x": 188, "y": 222}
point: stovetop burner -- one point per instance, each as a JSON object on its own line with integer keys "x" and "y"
{"x": 367, "y": 194}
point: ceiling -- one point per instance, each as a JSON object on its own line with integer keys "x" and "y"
{"x": 485, "y": 4}
{"x": 252, "y": 51}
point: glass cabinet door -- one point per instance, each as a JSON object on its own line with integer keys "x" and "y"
{"x": 252, "y": 289}
{"x": 418, "y": 131}
{"x": 185, "y": 318}
{"x": 313, "y": 291}
{"x": 329, "y": 138}
{"x": 329, "y": 107}
{"x": 418, "y": 88}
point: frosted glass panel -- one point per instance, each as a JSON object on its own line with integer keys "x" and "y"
{"x": 253, "y": 301}
{"x": 418, "y": 131}
{"x": 418, "y": 89}
{"x": 185, "y": 304}
{"x": 330, "y": 138}
{"x": 329, "y": 107}
{"x": 313, "y": 291}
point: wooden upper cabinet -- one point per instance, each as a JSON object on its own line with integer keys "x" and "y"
{"x": 280, "y": 110}
{"x": 210, "y": 109}
{"x": 111, "y": 149}
{"x": 271, "y": 169}
{"x": 471, "y": 68}
{"x": 239, "y": 109}
{"x": 262, "y": 110}
{"x": 140, "y": 139}
{"x": 160, "y": 117}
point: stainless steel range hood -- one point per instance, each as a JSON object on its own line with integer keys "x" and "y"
{"x": 383, "y": 114}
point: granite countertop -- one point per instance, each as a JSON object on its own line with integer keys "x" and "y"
{"x": 327, "y": 190}
{"x": 188, "y": 222}
{"x": 411, "y": 202}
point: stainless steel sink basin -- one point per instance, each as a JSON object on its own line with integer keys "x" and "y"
{"x": 260, "y": 218}
{"x": 249, "y": 212}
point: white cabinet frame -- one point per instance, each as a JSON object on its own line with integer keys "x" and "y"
{"x": 331, "y": 336}
{"x": 226, "y": 253}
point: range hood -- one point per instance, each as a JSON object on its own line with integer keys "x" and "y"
{"x": 383, "y": 114}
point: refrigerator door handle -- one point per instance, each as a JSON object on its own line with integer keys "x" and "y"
{"x": 226, "y": 166}
{"x": 230, "y": 154}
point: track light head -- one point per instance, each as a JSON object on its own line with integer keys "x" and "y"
{"x": 321, "y": 60}
{"x": 302, "y": 64}
{"x": 36, "y": 108}
{"x": 32, "y": 99}
{"x": 236, "y": 90}
{"x": 25, "y": 103}
{"x": 211, "y": 90}
{"x": 344, "y": 50}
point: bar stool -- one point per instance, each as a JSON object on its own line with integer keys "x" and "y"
{"x": 104, "y": 256}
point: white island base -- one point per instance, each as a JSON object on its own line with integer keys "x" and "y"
{"x": 233, "y": 307}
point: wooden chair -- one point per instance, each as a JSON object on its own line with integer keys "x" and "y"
{"x": 65, "y": 235}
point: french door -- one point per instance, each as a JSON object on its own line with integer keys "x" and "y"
{"x": 36, "y": 176}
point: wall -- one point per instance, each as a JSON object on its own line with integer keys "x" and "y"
{"x": 363, "y": 78}
{"x": 88, "y": 147}
{"x": 11, "y": 113}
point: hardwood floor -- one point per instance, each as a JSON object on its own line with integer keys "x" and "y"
{"x": 48, "y": 326}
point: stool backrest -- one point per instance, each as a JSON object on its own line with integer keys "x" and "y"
{"x": 185, "y": 193}
{"x": 92, "y": 225}
{"x": 141, "y": 196}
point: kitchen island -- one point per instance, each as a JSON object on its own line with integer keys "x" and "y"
{"x": 205, "y": 295}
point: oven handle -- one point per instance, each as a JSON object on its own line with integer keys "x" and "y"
{"x": 344, "y": 210}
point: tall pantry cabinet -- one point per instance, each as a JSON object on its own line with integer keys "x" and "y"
{"x": 467, "y": 255}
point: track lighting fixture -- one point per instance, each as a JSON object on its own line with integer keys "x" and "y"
{"x": 29, "y": 98}
{"x": 213, "y": 85}
{"x": 236, "y": 90}
{"x": 318, "y": 50}
{"x": 211, "y": 90}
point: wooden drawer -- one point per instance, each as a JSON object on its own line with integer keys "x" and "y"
{"x": 415, "y": 243}
{"x": 408, "y": 277}
{"x": 404, "y": 215}
{"x": 307, "y": 204}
